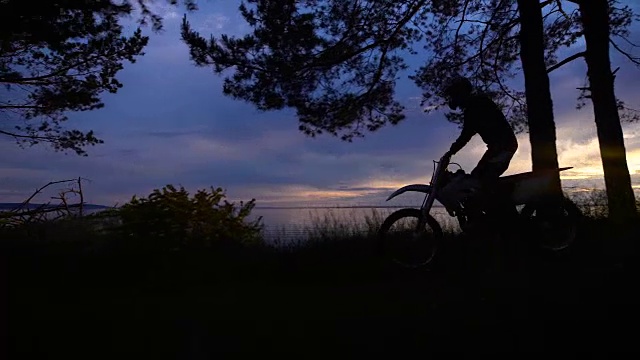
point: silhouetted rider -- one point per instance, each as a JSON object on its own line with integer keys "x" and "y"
{"x": 481, "y": 116}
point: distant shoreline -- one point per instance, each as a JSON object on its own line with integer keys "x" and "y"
{"x": 12, "y": 206}
{"x": 339, "y": 207}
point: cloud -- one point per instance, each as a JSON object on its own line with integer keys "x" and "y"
{"x": 214, "y": 23}
{"x": 220, "y": 17}
{"x": 161, "y": 8}
{"x": 279, "y": 165}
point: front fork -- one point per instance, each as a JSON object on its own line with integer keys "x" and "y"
{"x": 427, "y": 204}
{"x": 431, "y": 196}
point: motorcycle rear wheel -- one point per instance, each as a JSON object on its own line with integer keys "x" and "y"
{"x": 556, "y": 233}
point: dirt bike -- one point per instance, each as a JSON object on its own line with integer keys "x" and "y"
{"x": 520, "y": 200}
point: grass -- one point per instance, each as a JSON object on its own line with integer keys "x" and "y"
{"x": 328, "y": 227}
{"x": 76, "y": 291}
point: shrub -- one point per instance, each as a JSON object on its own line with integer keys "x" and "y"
{"x": 170, "y": 218}
{"x": 592, "y": 203}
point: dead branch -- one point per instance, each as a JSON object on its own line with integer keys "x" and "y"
{"x": 462, "y": 21}
{"x": 40, "y": 210}
{"x": 566, "y": 61}
{"x": 81, "y": 196}
{"x": 633, "y": 59}
{"x": 22, "y": 215}
{"x": 28, "y": 200}
{"x": 34, "y": 137}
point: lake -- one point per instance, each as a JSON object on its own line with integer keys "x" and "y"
{"x": 295, "y": 222}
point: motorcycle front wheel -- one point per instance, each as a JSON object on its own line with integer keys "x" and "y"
{"x": 555, "y": 232}
{"x": 409, "y": 239}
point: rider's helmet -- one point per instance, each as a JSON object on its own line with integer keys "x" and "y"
{"x": 456, "y": 90}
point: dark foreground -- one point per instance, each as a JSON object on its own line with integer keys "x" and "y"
{"x": 192, "y": 305}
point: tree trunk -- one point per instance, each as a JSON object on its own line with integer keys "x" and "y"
{"x": 542, "y": 130}
{"x": 595, "y": 20}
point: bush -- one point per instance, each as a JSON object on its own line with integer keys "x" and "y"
{"x": 593, "y": 203}
{"x": 169, "y": 218}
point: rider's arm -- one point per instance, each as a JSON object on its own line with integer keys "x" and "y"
{"x": 462, "y": 140}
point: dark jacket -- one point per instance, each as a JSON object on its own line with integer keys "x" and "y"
{"x": 482, "y": 116}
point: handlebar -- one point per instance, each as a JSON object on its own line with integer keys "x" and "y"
{"x": 441, "y": 166}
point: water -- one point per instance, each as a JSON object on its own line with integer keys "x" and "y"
{"x": 295, "y": 223}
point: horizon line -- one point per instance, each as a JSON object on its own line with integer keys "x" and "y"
{"x": 340, "y": 206}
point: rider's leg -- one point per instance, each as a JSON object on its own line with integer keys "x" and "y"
{"x": 456, "y": 191}
{"x": 492, "y": 164}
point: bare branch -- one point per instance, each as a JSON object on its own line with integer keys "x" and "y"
{"x": 486, "y": 29}
{"x": 495, "y": 72}
{"x": 629, "y": 41}
{"x": 378, "y": 74}
{"x": 34, "y": 137}
{"x": 20, "y": 107}
{"x": 545, "y": 3}
{"x": 462, "y": 21}
{"x": 477, "y": 21}
{"x": 635, "y": 60}
{"x": 561, "y": 10}
{"x": 39, "y": 211}
{"x": 81, "y": 195}
{"x": 50, "y": 75}
{"x": 39, "y": 191}
{"x": 566, "y": 61}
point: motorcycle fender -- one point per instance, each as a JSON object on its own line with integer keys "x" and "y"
{"x": 415, "y": 187}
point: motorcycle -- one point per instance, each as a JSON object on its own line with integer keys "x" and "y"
{"x": 521, "y": 201}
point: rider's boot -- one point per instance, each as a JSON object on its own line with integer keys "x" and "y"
{"x": 473, "y": 208}
{"x": 473, "y": 224}
{"x": 454, "y": 210}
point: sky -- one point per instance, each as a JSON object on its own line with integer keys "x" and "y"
{"x": 171, "y": 124}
